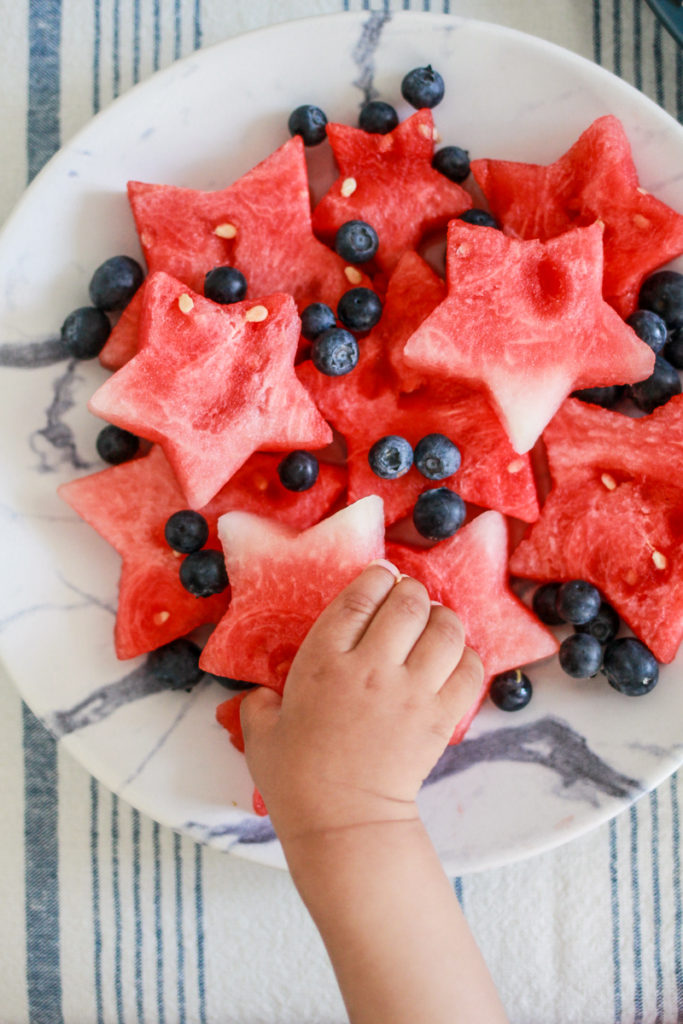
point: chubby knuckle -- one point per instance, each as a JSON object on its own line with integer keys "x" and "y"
{"x": 449, "y": 627}
{"x": 412, "y": 601}
{"x": 473, "y": 665}
{"x": 357, "y": 603}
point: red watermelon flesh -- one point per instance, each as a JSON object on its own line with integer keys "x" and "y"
{"x": 468, "y": 573}
{"x": 153, "y": 607}
{"x": 615, "y": 516}
{"x": 281, "y": 581}
{"x": 389, "y": 182}
{"x": 212, "y": 384}
{"x": 491, "y": 474}
{"x": 526, "y": 320}
{"x": 122, "y": 343}
{"x": 267, "y": 212}
{"x": 228, "y": 715}
{"x": 595, "y": 179}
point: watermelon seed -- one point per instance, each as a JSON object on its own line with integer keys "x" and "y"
{"x": 436, "y": 135}
{"x": 659, "y": 560}
{"x": 353, "y": 275}
{"x": 225, "y": 231}
{"x": 161, "y": 617}
{"x": 185, "y": 303}
{"x": 256, "y": 314}
{"x": 425, "y": 130}
{"x": 609, "y": 482}
{"x": 643, "y": 191}
{"x": 640, "y": 221}
{"x": 260, "y": 482}
{"x": 515, "y": 467}
{"x": 348, "y": 187}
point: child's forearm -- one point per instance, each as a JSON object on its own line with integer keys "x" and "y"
{"x": 392, "y": 926}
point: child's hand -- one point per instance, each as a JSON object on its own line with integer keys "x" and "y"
{"x": 371, "y": 700}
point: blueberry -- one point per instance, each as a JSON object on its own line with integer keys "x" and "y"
{"x": 390, "y": 457}
{"x": 607, "y": 397}
{"x": 453, "y": 162}
{"x": 298, "y": 471}
{"x": 658, "y": 388}
{"x": 85, "y": 332}
{"x": 511, "y": 691}
{"x": 335, "y": 352}
{"x": 203, "y": 573}
{"x": 436, "y": 457}
{"x": 604, "y": 627}
{"x": 186, "y": 531}
{"x": 673, "y": 350}
{"x": 115, "y": 282}
{"x": 439, "y": 513}
{"x": 422, "y": 87}
{"x": 581, "y": 655}
{"x": 356, "y": 241}
{"x": 116, "y": 445}
{"x": 378, "y": 118}
{"x": 315, "y": 319}
{"x": 176, "y": 664}
{"x": 663, "y": 294}
{"x": 649, "y": 327}
{"x": 309, "y": 122}
{"x": 225, "y": 285}
{"x": 630, "y": 667}
{"x": 482, "y": 218}
{"x": 544, "y": 604}
{"x": 578, "y": 602}
{"x": 359, "y": 309}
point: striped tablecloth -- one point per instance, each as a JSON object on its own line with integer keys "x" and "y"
{"x": 106, "y": 916}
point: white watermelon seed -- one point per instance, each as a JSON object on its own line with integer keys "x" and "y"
{"x": 516, "y": 466}
{"x": 640, "y": 221}
{"x": 609, "y": 482}
{"x": 225, "y": 230}
{"x": 256, "y": 314}
{"x": 435, "y": 134}
{"x": 161, "y": 617}
{"x": 660, "y": 560}
{"x": 348, "y": 187}
{"x": 260, "y": 482}
{"x": 353, "y": 275}
{"x": 185, "y": 303}
{"x": 425, "y": 130}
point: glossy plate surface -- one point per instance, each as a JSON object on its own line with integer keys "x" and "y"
{"x": 520, "y": 783}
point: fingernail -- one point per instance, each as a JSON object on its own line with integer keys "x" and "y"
{"x": 436, "y": 604}
{"x": 386, "y": 564}
{"x": 402, "y": 576}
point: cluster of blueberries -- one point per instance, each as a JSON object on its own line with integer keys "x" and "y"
{"x": 440, "y": 512}
{"x": 629, "y": 666}
{"x": 658, "y": 322}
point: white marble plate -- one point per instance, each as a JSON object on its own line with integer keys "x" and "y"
{"x": 520, "y": 783}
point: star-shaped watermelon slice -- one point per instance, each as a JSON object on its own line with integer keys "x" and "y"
{"x": 281, "y": 581}
{"x": 469, "y": 574}
{"x": 261, "y": 224}
{"x": 527, "y": 321}
{"x": 595, "y": 179}
{"x": 389, "y": 182}
{"x": 153, "y": 606}
{"x": 615, "y": 515}
{"x": 212, "y": 384}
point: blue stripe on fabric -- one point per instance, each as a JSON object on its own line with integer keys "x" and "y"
{"x": 637, "y": 940}
{"x": 41, "y": 800}
{"x": 95, "y": 879}
{"x": 137, "y": 912}
{"x": 637, "y": 45}
{"x": 614, "y": 900}
{"x": 159, "y": 935}
{"x": 41, "y": 871}
{"x": 678, "y": 905}
{"x": 44, "y": 36}
{"x": 616, "y": 30}
{"x": 197, "y": 24}
{"x": 136, "y": 40}
{"x": 679, "y": 84}
{"x": 177, "y": 33}
{"x": 659, "y": 64}
{"x": 457, "y": 885}
{"x": 657, "y": 909}
{"x": 446, "y": 7}
{"x": 116, "y": 900}
{"x": 180, "y": 939}
{"x": 199, "y": 917}
{"x": 96, "y": 47}
{"x": 116, "y": 49}
{"x": 597, "y": 32}
{"x": 156, "y": 52}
